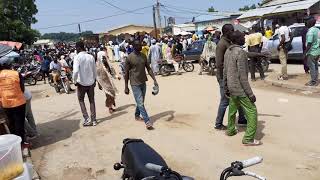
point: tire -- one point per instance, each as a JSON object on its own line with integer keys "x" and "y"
{"x": 32, "y": 81}
{"x": 66, "y": 86}
{"x": 188, "y": 67}
{"x": 56, "y": 88}
{"x": 265, "y": 66}
{"x": 39, "y": 77}
{"x": 163, "y": 71}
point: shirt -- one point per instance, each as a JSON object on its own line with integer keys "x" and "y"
{"x": 100, "y": 55}
{"x": 269, "y": 34}
{"x": 72, "y": 55}
{"x": 84, "y": 69}
{"x": 137, "y": 64}
{"x": 235, "y": 73}
{"x": 222, "y": 46}
{"x": 313, "y": 39}
{"x": 284, "y": 30}
{"x": 55, "y": 66}
{"x": 254, "y": 39}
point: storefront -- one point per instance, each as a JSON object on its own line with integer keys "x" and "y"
{"x": 292, "y": 11}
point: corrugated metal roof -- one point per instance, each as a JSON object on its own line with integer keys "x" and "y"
{"x": 259, "y": 12}
{"x": 294, "y": 6}
{"x": 278, "y": 2}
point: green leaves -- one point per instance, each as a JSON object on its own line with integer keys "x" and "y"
{"x": 16, "y": 17}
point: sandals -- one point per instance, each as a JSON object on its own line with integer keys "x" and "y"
{"x": 252, "y": 143}
{"x": 111, "y": 110}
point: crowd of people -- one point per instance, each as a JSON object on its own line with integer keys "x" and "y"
{"x": 91, "y": 66}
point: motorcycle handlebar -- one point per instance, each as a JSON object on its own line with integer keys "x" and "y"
{"x": 154, "y": 167}
{"x": 251, "y": 174}
{"x": 251, "y": 162}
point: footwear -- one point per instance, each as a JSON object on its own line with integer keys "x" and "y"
{"x": 139, "y": 119}
{"x": 311, "y": 84}
{"x": 232, "y": 133}
{"x": 221, "y": 127}
{"x": 149, "y": 125}
{"x": 252, "y": 143}
{"x": 94, "y": 123}
{"x": 111, "y": 110}
{"x": 253, "y": 80}
{"x": 32, "y": 137}
{"x": 87, "y": 122}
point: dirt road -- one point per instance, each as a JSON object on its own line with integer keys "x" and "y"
{"x": 184, "y": 112}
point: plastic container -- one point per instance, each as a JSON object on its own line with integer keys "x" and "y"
{"x": 11, "y": 164}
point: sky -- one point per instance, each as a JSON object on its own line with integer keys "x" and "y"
{"x": 114, "y": 13}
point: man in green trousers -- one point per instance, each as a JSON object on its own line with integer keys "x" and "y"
{"x": 238, "y": 89}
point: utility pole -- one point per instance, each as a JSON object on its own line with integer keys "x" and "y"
{"x": 159, "y": 17}
{"x": 165, "y": 21}
{"x": 154, "y": 22}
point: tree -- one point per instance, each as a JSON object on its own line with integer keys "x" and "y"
{"x": 63, "y": 36}
{"x": 247, "y": 8}
{"x": 211, "y": 9}
{"x": 16, "y": 18}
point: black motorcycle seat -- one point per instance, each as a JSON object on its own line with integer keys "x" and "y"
{"x": 135, "y": 155}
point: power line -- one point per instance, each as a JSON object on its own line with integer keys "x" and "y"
{"x": 117, "y": 7}
{"x": 96, "y": 19}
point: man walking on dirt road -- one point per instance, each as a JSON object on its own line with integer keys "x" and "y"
{"x": 84, "y": 77}
{"x": 222, "y": 46}
{"x": 237, "y": 88}
{"x": 136, "y": 64}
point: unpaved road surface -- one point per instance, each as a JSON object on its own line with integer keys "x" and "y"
{"x": 184, "y": 113}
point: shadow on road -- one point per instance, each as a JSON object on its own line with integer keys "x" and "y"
{"x": 270, "y": 115}
{"x": 156, "y": 117}
{"x": 124, "y": 107}
{"x": 56, "y": 130}
{"x": 114, "y": 115}
{"x": 259, "y": 133}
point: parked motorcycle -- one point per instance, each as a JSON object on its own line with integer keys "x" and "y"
{"x": 166, "y": 68}
{"x": 140, "y": 162}
{"x": 208, "y": 66}
{"x": 29, "y": 77}
{"x": 265, "y": 62}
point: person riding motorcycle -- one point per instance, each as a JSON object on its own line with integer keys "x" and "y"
{"x": 55, "y": 70}
{"x": 170, "y": 58}
{"x": 209, "y": 51}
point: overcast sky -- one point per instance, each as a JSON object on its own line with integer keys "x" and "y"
{"x": 62, "y": 12}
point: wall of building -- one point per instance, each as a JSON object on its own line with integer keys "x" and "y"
{"x": 200, "y": 26}
{"x": 130, "y": 30}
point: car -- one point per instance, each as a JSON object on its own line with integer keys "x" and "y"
{"x": 296, "y": 53}
{"x": 194, "y": 51}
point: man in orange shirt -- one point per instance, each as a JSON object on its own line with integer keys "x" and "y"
{"x": 12, "y": 99}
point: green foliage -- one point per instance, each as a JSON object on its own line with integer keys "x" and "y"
{"x": 63, "y": 36}
{"x": 16, "y": 17}
{"x": 211, "y": 9}
{"x": 247, "y": 8}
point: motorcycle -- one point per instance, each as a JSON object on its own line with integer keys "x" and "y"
{"x": 166, "y": 68}
{"x": 29, "y": 77}
{"x": 208, "y": 66}
{"x": 265, "y": 62}
{"x": 62, "y": 83}
{"x": 140, "y": 162}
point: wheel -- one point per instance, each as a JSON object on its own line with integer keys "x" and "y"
{"x": 66, "y": 87}
{"x": 265, "y": 66}
{"x": 188, "y": 67}
{"x": 32, "y": 81}
{"x": 163, "y": 71}
{"x": 39, "y": 77}
{"x": 56, "y": 87}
